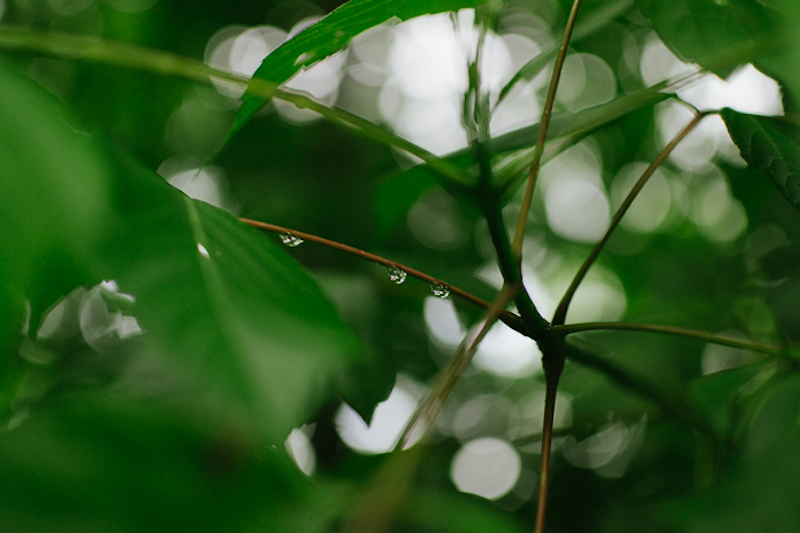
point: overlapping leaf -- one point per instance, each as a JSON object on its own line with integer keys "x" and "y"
{"x": 330, "y": 35}
{"x": 769, "y": 144}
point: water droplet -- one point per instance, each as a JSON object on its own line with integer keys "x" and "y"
{"x": 202, "y": 250}
{"x": 439, "y": 290}
{"x": 291, "y": 240}
{"x": 397, "y": 275}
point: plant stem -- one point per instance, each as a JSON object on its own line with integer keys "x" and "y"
{"x": 535, "y": 325}
{"x": 130, "y": 56}
{"x": 669, "y": 330}
{"x": 544, "y": 123}
{"x": 552, "y": 376}
{"x": 508, "y": 318}
{"x": 561, "y": 311}
{"x": 429, "y": 409}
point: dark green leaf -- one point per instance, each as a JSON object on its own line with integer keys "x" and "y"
{"x": 758, "y": 492}
{"x": 330, "y": 35}
{"x": 717, "y": 35}
{"x": 771, "y": 145}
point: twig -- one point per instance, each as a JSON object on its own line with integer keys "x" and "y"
{"x": 669, "y": 330}
{"x": 561, "y": 311}
{"x": 510, "y": 319}
{"x": 544, "y": 123}
{"x": 429, "y": 409}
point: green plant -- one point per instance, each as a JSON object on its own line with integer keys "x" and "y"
{"x": 163, "y": 397}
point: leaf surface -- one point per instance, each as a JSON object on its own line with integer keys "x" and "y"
{"x": 769, "y": 144}
{"x": 330, "y": 35}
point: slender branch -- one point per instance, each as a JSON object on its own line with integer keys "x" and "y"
{"x": 545, "y": 122}
{"x": 510, "y": 319}
{"x": 669, "y": 330}
{"x": 126, "y": 55}
{"x": 429, "y": 409}
{"x": 547, "y": 443}
{"x": 561, "y": 311}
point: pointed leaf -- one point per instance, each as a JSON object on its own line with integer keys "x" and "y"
{"x": 769, "y": 144}
{"x": 228, "y": 306}
{"x": 330, "y": 35}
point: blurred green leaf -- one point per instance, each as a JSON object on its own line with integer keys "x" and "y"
{"x": 55, "y": 189}
{"x": 330, "y": 35}
{"x": 719, "y": 36}
{"x": 759, "y": 490}
{"x": 226, "y": 304}
{"x": 771, "y": 145}
{"x": 117, "y": 463}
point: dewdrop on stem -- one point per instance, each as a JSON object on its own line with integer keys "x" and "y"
{"x": 291, "y": 240}
{"x": 397, "y": 275}
{"x": 439, "y": 290}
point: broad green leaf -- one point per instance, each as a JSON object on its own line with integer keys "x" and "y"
{"x": 226, "y": 305}
{"x": 758, "y": 492}
{"x": 330, "y": 35}
{"x": 55, "y": 185}
{"x": 100, "y": 462}
{"x": 717, "y": 35}
{"x": 769, "y": 144}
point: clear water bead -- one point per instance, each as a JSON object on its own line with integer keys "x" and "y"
{"x": 439, "y": 290}
{"x": 291, "y": 240}
{"x": 397, "y": 275}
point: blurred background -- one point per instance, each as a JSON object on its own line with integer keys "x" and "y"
{"x": 709, "y": 243}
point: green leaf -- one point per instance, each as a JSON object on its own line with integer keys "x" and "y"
{"x": 765, "y": 474}
{"x": 330, "y": 35}
{"x": 769, "y": 144}
{"x": 54, "y": 185}
{"x": 231, "y": 308}
{"x": 117, "y": 463}
{"x": 718, "y": 36}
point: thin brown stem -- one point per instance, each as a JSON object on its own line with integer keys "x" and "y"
{"x": 522, "y": 220}
{"x": 547, "y": 442}
{"x": 561, "y": 311}
{"x": 669, "y": 330}
{"x": 429, "y": 409}
{"x": 508, "y": 318}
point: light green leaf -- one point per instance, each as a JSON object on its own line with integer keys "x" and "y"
{"x": 54, "y": 184}
{"x": 771, "y": 145}
{"x": 330, "y": 35}
{"x": 226, "y": 305}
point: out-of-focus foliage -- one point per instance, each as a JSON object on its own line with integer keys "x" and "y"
{"x": 166, "y": 367}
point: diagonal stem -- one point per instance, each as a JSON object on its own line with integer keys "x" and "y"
{"x": 508, "y": 318}
{"x": 429, "y": 409}
{"x": 522, "y": 220}
{"x": 169, "y": 64}
{"x": 561, "y": 311}
{"x": 669, "y": 330}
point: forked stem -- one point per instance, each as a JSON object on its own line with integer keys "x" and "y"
{"x": 522, "y": 220}
{"x": 561, "y": 311}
